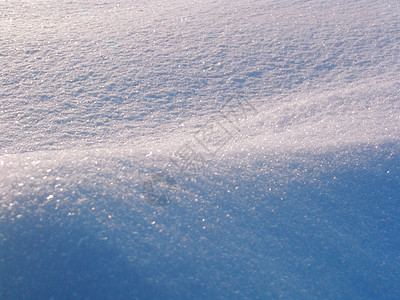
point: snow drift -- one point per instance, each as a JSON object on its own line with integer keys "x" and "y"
{"x": 273, "y": 127}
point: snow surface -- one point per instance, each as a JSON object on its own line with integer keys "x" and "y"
{"x": 289, "y": 111}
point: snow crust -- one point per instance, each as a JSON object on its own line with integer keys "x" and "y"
{"x": 292, "y": 108}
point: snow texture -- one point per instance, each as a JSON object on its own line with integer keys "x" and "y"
{"x": 199, "y": 149}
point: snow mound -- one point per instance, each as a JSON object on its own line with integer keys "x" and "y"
{"x": 219, "y": 149}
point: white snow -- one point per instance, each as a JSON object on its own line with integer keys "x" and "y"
{"x": 95, "y": 97}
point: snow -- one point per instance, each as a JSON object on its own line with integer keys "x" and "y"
{"x": 199, "y": 149}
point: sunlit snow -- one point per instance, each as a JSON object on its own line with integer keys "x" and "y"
{"x": 199, "y": 149}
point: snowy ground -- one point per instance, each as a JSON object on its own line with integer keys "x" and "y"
{"x": 199, "y": 149}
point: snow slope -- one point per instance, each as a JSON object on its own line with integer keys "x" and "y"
{"x": 199, "y": 149}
